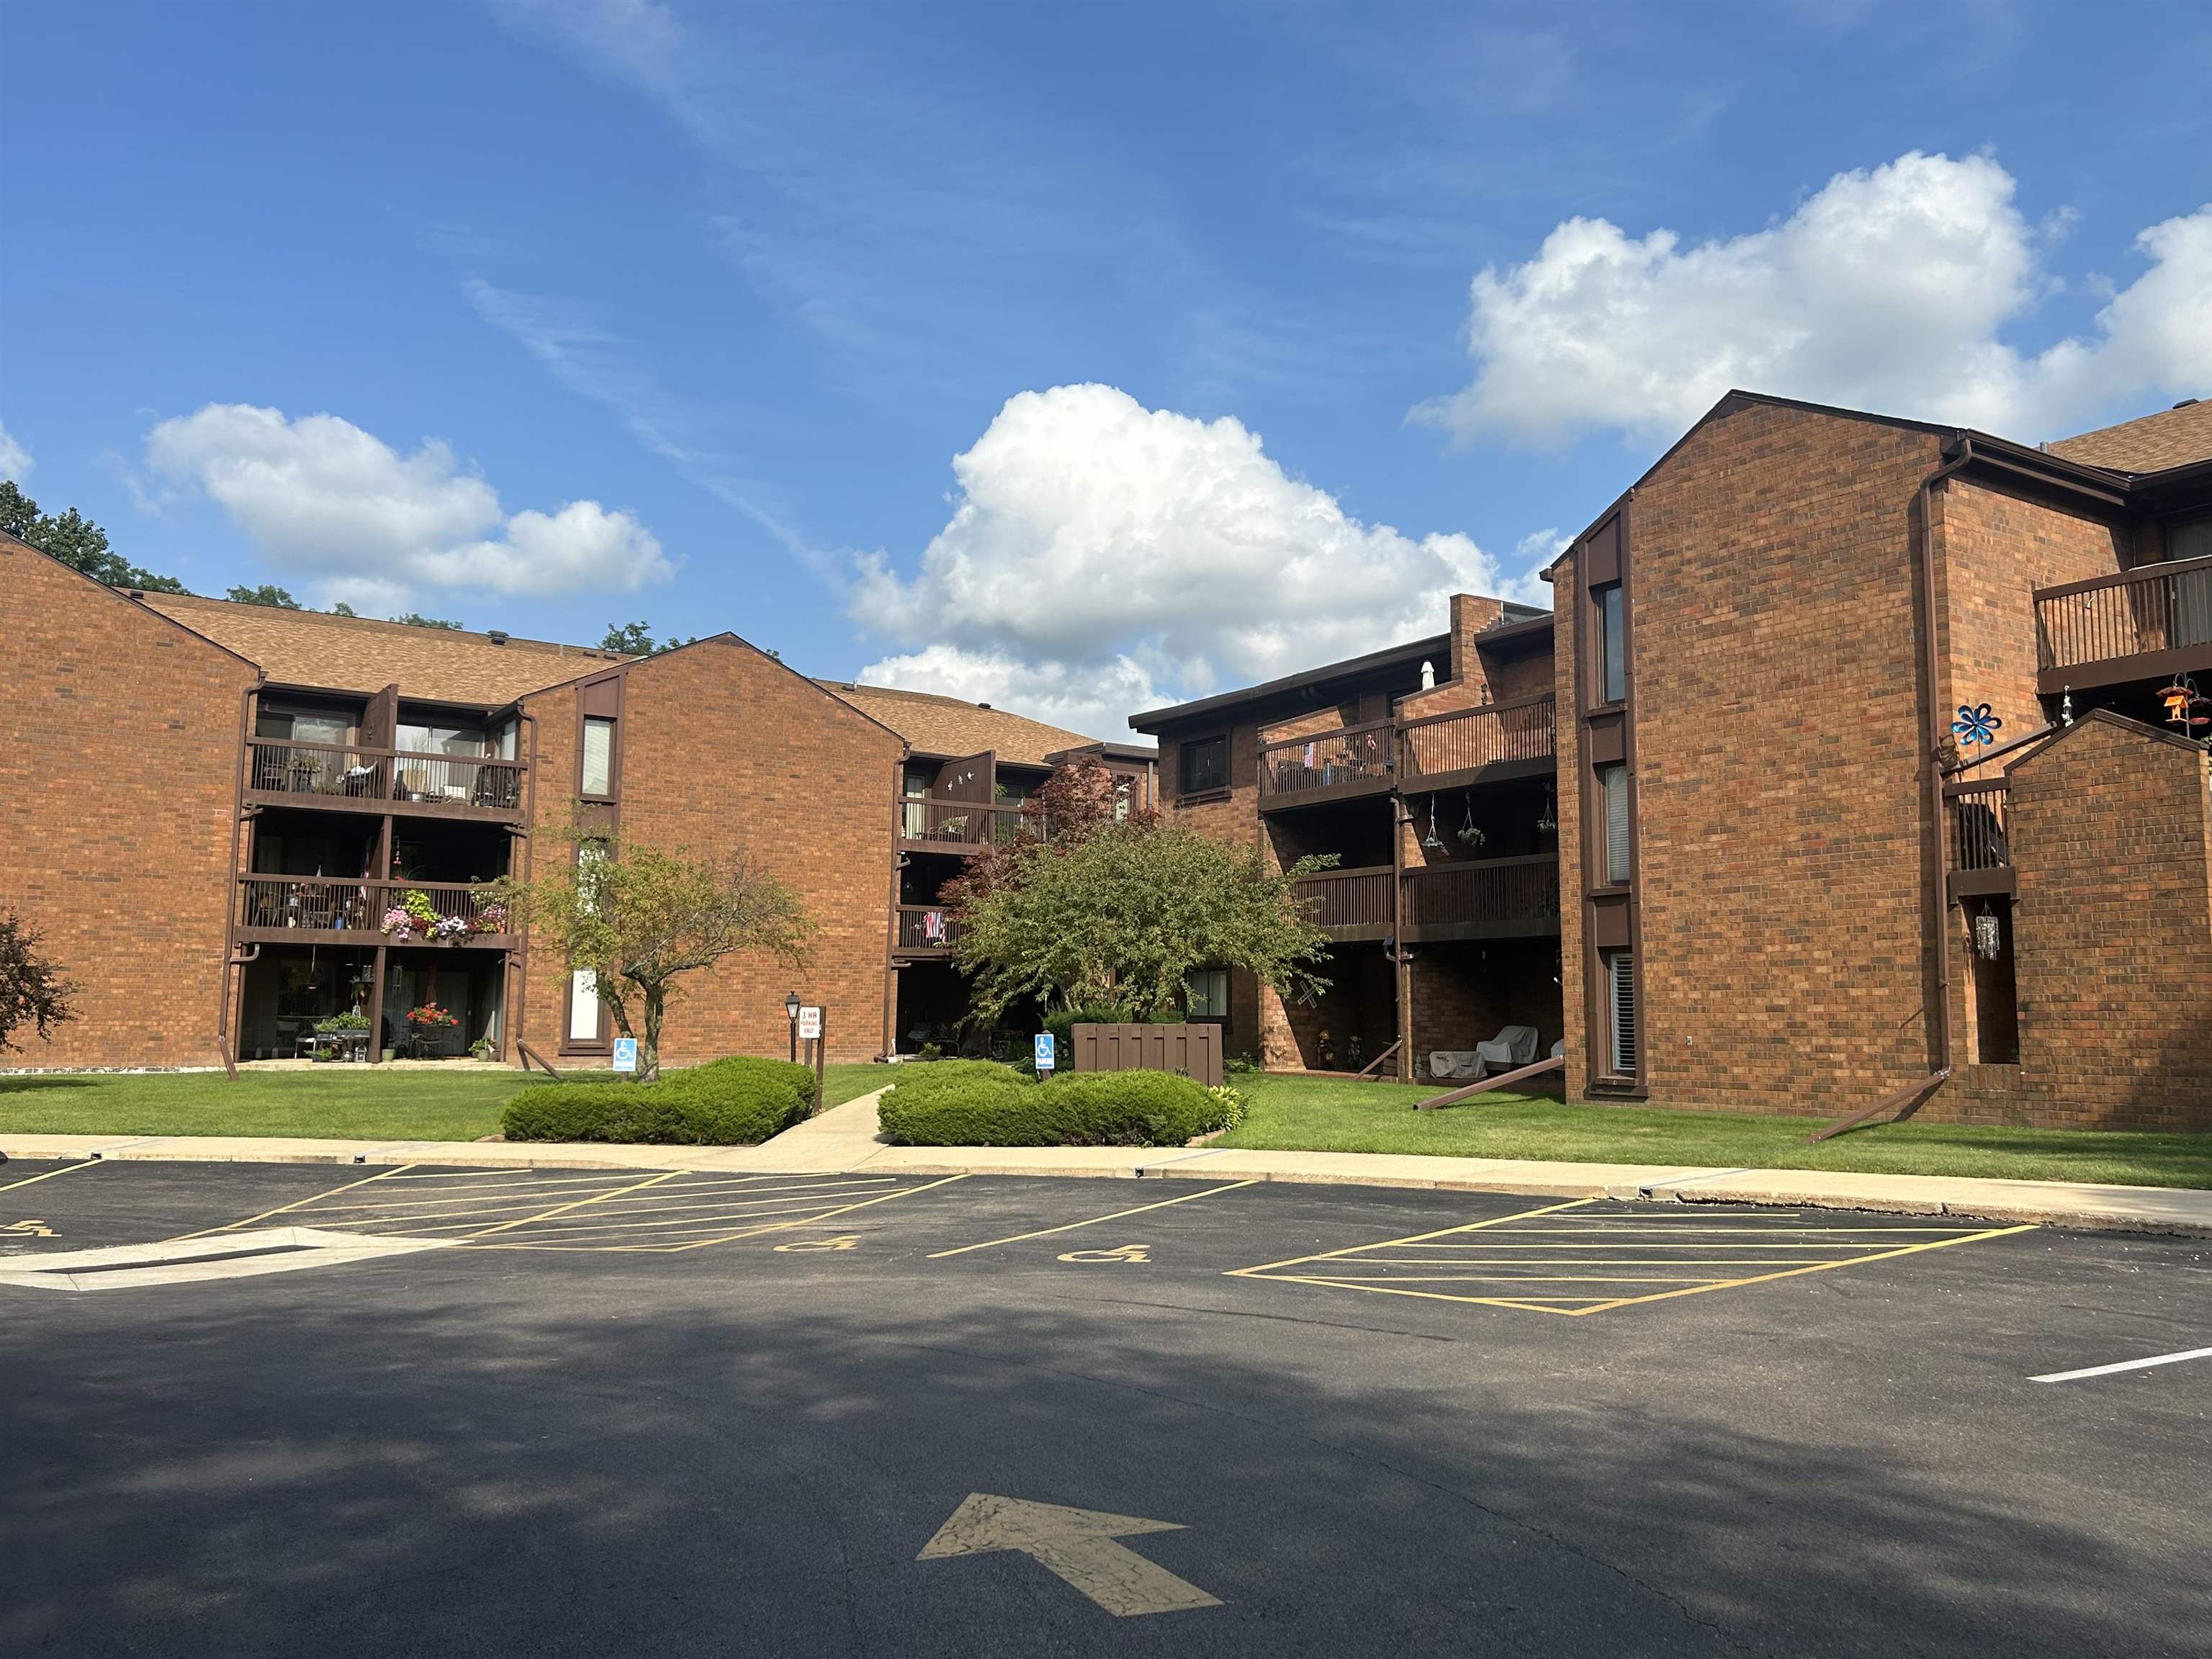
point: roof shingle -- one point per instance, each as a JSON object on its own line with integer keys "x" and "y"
{"x": 937, "y": 725}
{"x": 356, "y": 653}
{"x": 2173, "y": 437}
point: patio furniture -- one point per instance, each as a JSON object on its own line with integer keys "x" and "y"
{"x": 1513, "y": 1046}
{"x": 1454, "y": 1063}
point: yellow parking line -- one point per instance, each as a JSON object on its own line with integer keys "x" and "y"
{"x": 597, "y": 1198}
{"x": 1046, "y": 1232}
{"x": 48, "y": 1174}
{"x": 1410, "y": 1238}
{"x": 1793, "y": 1272}
{"x": 1530, "y": 1304}
{"x": 232, "y": 1226}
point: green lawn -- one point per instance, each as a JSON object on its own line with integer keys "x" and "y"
{"x": 1332, "y": 1114}
{"x": 337, "y": 1102}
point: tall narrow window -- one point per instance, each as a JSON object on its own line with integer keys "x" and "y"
{"x": 598, "y": 757}
{"x": 1613, "y": 787}
{"x": 1209, "y": 993}
{"x": 583, "y": 1005}
{"x": 590, "y": 855}
{"x": 1612, "y": 646}
{"x": 1620, "y": 1013}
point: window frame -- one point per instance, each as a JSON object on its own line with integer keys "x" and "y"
{"x": 612, "y": 724}
{"x": 1217, "y": 742}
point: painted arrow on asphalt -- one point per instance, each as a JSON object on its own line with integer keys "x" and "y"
{"x": 1076, "y": 1544}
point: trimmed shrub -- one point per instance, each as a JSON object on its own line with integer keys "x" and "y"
{"x": 1090, "y": 1108}
{"x": 734, "y": 1102}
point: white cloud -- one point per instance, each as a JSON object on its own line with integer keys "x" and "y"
{"x": 324, "y": 499}
{"x": 1104, "y": 557}
{"x": 1887, "y": 289}
{"x": 14, "y": 459}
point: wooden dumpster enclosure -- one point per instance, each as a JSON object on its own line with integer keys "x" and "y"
{"x": 1193, "y": 1050}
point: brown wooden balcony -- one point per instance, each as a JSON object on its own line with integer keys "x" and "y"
{"x": 964, "y": 827}
{"x": 1490, "y": 743}
{"x": 1338, "y": 765}
{"x": 325, "y": 909}
{"x": 928, "y": 931}
{"x": 1350, "y": 904}
{"x": 1978, "y": 851}
{"x": 2152, "y": 622}
{"x": 1484, "y": 898}
{"x": 281, "y": 773}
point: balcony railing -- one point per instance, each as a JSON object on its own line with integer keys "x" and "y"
{"x": 2160, "y": 611}
{"x": 962, "y": 826}
{"x": 1352, "y": 760}
{"x": 465, "y": 911}
{"x": 928, "y": 929}
{"x": 1518, "y": 735}
{"x": 313, "y": 773}
{"x": 1977, "y": 846}
{"x": 1486, "y": 898}
{"x": 1351, "y": 904}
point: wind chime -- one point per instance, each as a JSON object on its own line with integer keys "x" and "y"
{"x": 1989, "y": 934}
{"x": 2182, "y": 700}
{"x": 1549, "y": 819}
{"x": 1432, "y": 844}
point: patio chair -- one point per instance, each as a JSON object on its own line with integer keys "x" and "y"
{"x": 1511, "y": 1049}
{"x": 1454, "y": 1063}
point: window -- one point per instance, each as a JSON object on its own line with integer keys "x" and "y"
{"x": 1612, "y": 646}
{"x": 303, "y": 726}
{"x": 1620, "y": 1013}
{"x": 1209, "y": 995}
{"x": 583, "y": 1006}
{"x": 1613, "y": 787}
{"x": 1121, "y": 801}
{"x": 1204, "y": 765}
{"x": 599, "y": 777}
{"x": 417, "y": 737}
{"x": 589, "y": 856}
{"x": 2188, "y": 540}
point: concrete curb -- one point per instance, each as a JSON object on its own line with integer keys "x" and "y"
{"x": 842, "y": 1140}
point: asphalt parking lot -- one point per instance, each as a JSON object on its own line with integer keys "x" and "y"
{"x": 254, "y": 1409}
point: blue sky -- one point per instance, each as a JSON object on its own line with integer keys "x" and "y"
{"x": 1256, "y": 329}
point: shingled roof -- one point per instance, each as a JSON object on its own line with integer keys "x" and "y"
{"x": 356, "y": 654}
{"x": 936, "y": 725}
{"x": 2173, "y": 437}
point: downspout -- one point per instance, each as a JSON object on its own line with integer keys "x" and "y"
{"x": 1938, "y": 908}
{"x": 231, "y": 960}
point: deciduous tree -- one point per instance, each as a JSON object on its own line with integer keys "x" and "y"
{"x": 76, "y": 542}
{"x": 32, "y": 991}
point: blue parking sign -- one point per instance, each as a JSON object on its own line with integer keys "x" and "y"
{"x": 625, "y": 1053}
{"x": 1044, "y": 1051}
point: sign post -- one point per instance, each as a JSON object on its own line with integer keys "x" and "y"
{"x": 625, "y": 1053}
{"x": 810, "y": 1030}
{"x": 1044, "y": 1055}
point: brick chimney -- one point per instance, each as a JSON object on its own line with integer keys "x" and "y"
{"x": 1470, "y": 614}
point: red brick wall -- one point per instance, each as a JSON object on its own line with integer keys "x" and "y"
{"x": 117, "y": 788}
{"x": 2111, "y": 839}
{"x": 723, "y": 749}
{"x": 1778, "y": 765}
{"x": 1993, "y": 549}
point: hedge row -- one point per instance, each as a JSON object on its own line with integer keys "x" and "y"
{"x": 978, "y": 1104}
{"x": 727, "y": 1102}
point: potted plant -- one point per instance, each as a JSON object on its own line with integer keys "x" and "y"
{"x": 431, "y": 1020}
{"x": 414, "y": 915}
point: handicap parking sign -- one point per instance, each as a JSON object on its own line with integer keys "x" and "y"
{"x": 625, "y": 1053}
{"x": 1044, "y": 1051}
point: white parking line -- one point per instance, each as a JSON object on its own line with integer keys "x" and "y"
{"x": 2126, "y": 1366}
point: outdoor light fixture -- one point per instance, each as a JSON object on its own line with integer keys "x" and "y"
{"x": 790, "y": 1013}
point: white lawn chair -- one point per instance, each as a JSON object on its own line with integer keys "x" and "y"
{"x": 1510, "y": 1049}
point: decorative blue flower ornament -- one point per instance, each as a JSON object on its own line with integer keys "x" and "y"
{"x": 1976, "y": 723}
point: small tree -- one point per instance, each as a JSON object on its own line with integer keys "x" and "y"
{"x": 1127, "y": 914}
{"x": 416, "y": 619}
{"x": 33, "y": 992}
{"x": 1075, "y": 803}
{"x": 642, "y": 917}
{"x": 268, "y": 594}
{"x": 76, "y": 542}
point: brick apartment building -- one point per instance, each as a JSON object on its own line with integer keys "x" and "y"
{"x": 1707, "y": 826}
{"x": 210, "y": 810}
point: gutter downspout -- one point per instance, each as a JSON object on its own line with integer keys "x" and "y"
{"x": 231, "y": 960}
{"x": 1939, "y": 905}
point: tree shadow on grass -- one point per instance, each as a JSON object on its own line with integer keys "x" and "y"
{"x": 24, "y": 1083}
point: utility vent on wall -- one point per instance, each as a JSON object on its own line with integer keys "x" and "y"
{"x": 1620, "y": 989}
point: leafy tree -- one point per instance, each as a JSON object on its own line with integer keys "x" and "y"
{"x": 640, "y": 917}
{"x": 268, "y": 594}
{"x": 415, "y": 619}
{"x": 1127, "y": 915}
{"x": 32, "y": 991}
{"x": 631, "y": 639}
{"x": 1074, "y": 804}
{"x": 76, "y": 542}
{"x": 341, "y": 609}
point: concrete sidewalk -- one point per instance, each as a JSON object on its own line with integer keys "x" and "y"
{"x": 844, "y": 1140}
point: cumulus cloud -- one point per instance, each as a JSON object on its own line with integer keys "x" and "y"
{"x": 1887, "y": 289}
{"x": 324, "y": 499}
{"x": 14, "y": 459}
{"x": 1104, "y": 557}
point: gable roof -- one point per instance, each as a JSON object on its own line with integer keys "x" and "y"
{"x": 937, "y": 725}
{"x": 2173, "y": 437}
{"x": 11, "y": 544}
{"x": 359, "y": 654}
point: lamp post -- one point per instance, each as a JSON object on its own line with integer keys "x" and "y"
{"x": 790, "y": 1013}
